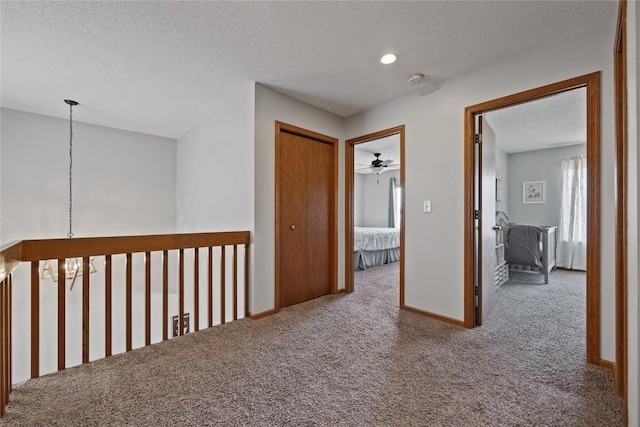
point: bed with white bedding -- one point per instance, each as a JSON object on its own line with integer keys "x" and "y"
{"x": 375, "y": 246}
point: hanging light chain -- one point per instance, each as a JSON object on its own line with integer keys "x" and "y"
{"x": 70, "y": 234}
{"x": 71, "y": 104}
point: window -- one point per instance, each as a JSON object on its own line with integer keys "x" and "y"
{"x": 397, "y": 206}
{"x": 572, "y": 241}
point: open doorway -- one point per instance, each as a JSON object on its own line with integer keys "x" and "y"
{"x": 540, "y": 194}
{"x": 480, "y": 225}
{"x": 374, "y": 194}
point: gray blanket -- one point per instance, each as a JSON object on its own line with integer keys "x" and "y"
{"x": 523, "y": 245}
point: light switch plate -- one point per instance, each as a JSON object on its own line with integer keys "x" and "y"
{"x": 427, "y": 206}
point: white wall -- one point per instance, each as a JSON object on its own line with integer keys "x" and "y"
{"x": 376, "y": 198}
{"x": 633, "y": 65}
{"x": 269, "y": 107}
{"x": 358, "y": 200}
{"x": 538, "y": 165}
{"x": 215, "y": 176}
{"x": 502, "y": 173}
{"x": 124, "y": 184}
{"x": 215, "y": 192}
{"x": 434, "y": 165}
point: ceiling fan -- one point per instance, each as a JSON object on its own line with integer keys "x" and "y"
{"x": 378, "y": 166}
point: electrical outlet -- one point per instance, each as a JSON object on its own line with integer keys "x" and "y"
{"x": 185, "y": 325}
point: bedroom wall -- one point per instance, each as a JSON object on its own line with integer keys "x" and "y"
{"x": 434, "y": 166}
{"x": 502, "y": 173}
{"x": 538, "y": 165}
{"x": 358, "y": 200}
{"x": 124, "y": 184}
{"x": 376, "y": 198}
{"x": 633, "y": 91}
{"x": 269, "y": 107}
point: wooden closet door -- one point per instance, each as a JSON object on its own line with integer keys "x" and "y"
{"x": 306, "y": 180}
{"x": 319, "y": 184}
{"x": 293, "y": 220}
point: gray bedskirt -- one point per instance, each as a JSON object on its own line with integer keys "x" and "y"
{"x": 364, "y": 259}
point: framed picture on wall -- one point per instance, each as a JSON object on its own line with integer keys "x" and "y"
{"x": 498, "y": 190}
{"x": 533, "y": 192}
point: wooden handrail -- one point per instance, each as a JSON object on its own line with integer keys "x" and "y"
{"x": 9, "y": 258}
{"x": 59, "y": 250}
{"x": 35, "y": 250}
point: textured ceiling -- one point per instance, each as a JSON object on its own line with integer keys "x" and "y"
{"x": 546, "y": 123}
{"x": 159, "y": 67}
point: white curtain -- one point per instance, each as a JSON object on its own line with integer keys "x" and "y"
{"x": 572, "y": 232}
{"x": 395, "y": 194}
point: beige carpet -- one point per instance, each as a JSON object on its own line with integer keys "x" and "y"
{"x": 349, "y": 360}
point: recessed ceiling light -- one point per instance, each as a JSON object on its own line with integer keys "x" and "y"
{"x": 389, "y": 58}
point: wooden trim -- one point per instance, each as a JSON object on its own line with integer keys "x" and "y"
{"x": 469, "y": 220}
{"x": 9, "y": 343}
{"x": 349, "y": 177}
{"x": 593, "y": 220}
{"x": 108, "y": 298}
{"x": 165, "y": 295}
{"x": 478, "y": 176}
{"x": 35, "y": 319}
{"x": 210, "y": 297}
{"x": 592, "y": 84}
{"x": 147, "y": 298}
{"x": 181, "y": 293}
{"x": 619, "y": 44}
{"x": 86, "y": 325}
{"x": 256, "y": 316}
{"x": 3, "y": 346}
{"x": 223, "y": 286}
{"x": 235, "y": 282}
{"x": 10, "y": 255}
{"x": 434, "y": 316}
{"x": 128, "y": 301}
{"x": 276, "y": 183}
{"x": 333, "y": 222}
{"x": 246, "y": 280}
{"x": 620, "y": 368}
{"x": 305, "y": 133}
{"x": 62, "y": 314}
{"x": 36, "y": 250}
{"x": 349, "y": 203}
{"x": 196, "y": 289}
{"x": 403, "y": 185}
{"x": 7, "y": 338}
{"x": 334, "y": 219}
{"x": 606, "y": 364}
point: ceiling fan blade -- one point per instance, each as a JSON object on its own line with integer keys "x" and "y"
{"x": 386, "y": 162}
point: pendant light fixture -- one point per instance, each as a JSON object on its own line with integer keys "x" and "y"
{"x": 72, "y": 266}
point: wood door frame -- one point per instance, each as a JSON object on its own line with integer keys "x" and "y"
{"x": 349, "y": 163}
{"x": 621, "y": 280}
{"x": 592, "y": 84}
{"x": 333, "y": 219}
